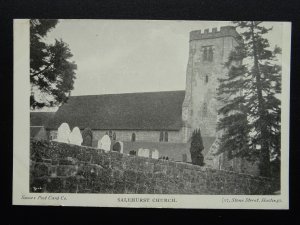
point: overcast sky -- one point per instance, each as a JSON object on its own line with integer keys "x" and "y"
{"x": 121, "y": 56}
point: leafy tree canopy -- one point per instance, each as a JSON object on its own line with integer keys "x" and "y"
{"x": 52, "y": 73}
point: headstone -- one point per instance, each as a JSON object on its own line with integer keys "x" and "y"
{"x": 155, "y": 154}
{"x": 132, "y": 152}
{"x": 143, "y": 152}
{"x": 87, "y": 136}
{"x": 118, "y": 147}
{"x": 146, "y": 153}
{"x": 104, "y": 143}
{"x": 122, "y": 146}
{"x": 63, "y": 133}
{"x": 75, "y": 137}
{"x": 140, "y": 152}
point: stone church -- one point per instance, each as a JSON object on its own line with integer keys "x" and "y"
{"x": 160, "y": 120}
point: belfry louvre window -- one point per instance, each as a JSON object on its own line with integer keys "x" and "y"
{"x": 205, "y": 54}
{"x": 208, "y": 53}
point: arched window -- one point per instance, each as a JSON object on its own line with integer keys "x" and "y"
{"x": 166, "y": 136}
{"x": 210, "y": 54}
{"x": 206, "y": 79}
{"x": 204, "y": 54}
{"x": 110, "y": 134}
{"x": 133, "y": 137}
{"x": 204, "y": 109}
{"x": 161, "y": 136}
{"x": 114, "y": 137}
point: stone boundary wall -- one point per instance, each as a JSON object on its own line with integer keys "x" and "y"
{"x": 64, "y": 168}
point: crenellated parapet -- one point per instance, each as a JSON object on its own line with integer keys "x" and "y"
{"x": 214, "y": 33}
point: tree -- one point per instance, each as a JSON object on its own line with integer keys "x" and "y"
{"x": 196, "y": 148}
{"x": 51, "y": 73}
{"x": 250, "y": 115}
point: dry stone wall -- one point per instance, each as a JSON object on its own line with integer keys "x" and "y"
{"x": 65, "y": 168}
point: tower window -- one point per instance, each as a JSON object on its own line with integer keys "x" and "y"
{"x": 114, "y": 137}
{"x": 166, "y": 137}
{"x": 206, "y": 78}
{"x": 205, "y": 54}
{"x": 204, "y": 109}
{"x": 208, "y": 53}
{"x": 133, "y": 137}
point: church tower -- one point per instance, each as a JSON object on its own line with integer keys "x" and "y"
{"x": 208, "y": 51}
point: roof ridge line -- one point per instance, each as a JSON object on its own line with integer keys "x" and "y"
{"x": 129, "y": 93}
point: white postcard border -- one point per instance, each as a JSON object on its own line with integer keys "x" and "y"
{"x": 21, "y": 157}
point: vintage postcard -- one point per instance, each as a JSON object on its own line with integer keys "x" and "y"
{"x": 151, "y": 113}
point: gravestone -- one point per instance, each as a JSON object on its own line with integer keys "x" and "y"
{"x": 140, "y": 152}
{"x": 146, "y": 153}
{"x": 132, "y": 152}
{"x": 75, "y": 136}
{"x": 87, "y": 136}
{"x": 143, "y": 152}
{"x": 122, "y": 147}
{"x": 155, "y": 154}
{"x": 104, "y": 143}
{"x": 63, "y": 133}
{"x": 118, "y": 146}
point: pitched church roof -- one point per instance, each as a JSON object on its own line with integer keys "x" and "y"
{"x": 129, "y": 111}
{"x": 40, "y": 118}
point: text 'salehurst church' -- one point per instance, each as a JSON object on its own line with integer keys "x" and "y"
{"x": 161, "y": 120}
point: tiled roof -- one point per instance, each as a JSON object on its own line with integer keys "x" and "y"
{"x": 130, "y": 111}
{"x": 40, "y": 118}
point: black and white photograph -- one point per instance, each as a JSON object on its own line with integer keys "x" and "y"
{"x": 151, "y": 113}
